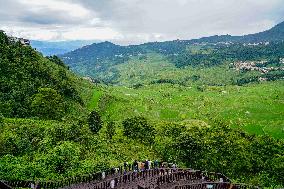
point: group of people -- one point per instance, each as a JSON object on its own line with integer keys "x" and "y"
{"x": 147, "y": 164}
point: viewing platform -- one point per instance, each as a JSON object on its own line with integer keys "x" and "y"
{"x": 131, "y": 178}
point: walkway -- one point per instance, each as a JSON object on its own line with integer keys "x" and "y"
{"x": 155, "y": 178}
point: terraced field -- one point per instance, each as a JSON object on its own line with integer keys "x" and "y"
{"x": 256, "y": 108}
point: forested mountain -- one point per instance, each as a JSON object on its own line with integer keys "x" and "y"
{"x": 60, "y": 47}
{"x": 96, "y": 59}
{"x": 27, "y": 78}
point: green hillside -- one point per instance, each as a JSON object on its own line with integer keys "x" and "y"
{"x": 218, "y": 117}
{"x": 45, "y": 131}
{"x": 256, "y": 108}
{"x": 98, "y": 58}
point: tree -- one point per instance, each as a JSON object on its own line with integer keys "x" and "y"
{"x": 48, "y": 104}
{"x": 110, "y": 129}
{"x": 57, "y": 61}
{"x": 1, "y": 119}
{"x": 63, "y": 157}
{"x": 138, "y": 128}
{"x": 95, "y": 122}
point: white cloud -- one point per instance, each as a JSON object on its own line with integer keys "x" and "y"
{"x": 71, "y": 9}
{"x": 137, "y": 21}
{"x": 91, "y": 33}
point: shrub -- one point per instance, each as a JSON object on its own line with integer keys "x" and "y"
{"x": 138, "y": 128}
{"x": 48, "y": 104}
{"x": 110, "y": 129}
{"x": 95, "y": 122}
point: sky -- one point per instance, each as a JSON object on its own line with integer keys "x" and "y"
{"x": 136, "y": 21}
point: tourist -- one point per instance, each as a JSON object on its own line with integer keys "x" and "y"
{"x": 135, "y": 166}
{"x": 112, "y": 183}
{"x": 156, "y": 164}
{"x": 146, "y": 164}
{"x": 125, "y": 166}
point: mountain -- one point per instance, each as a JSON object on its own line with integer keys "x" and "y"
{"x": 101, "y": 60}
{"x": 60, "y": 47}
{"x": 274, "y": 34}
{"x": 27, "y": 78}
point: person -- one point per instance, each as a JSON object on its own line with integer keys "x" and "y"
{"x": 103, "y": 175}
{"x": 135, "y": 166}
{"x": 164, "y": 165}
{"x": 125, "y": 166}
{"x": 112, "y": 171}
{"x": 146, "y": 164}
{"x": 112, "y": 183}
{"x": 150, "y": 164}
{"x": 174, "y": 166}
{"x": 156, "y": 164}
{"x": 142, "y": 166}
{"x": 116, "y": 170}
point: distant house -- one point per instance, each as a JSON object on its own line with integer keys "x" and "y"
{"x": 24, "y": 42}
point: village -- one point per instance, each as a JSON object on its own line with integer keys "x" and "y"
{"x": 257, "y": 66}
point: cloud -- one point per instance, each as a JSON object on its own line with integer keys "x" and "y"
{"x": 137, "y": 21}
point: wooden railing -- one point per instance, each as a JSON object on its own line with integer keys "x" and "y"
{"x": 161, "y": 176}
{"x": 215, "y": 185}
{"x": 4, "y": 185}
{"x": 129, "y": 177}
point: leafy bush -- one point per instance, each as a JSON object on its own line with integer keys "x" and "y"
{"x": 138, "y": 128}
{"x": 23, "y": 71}
{"x": 95, "y": 122}
{"x": 1, "y": 118}
{"x": 63, "y": 157}
{"x": 110, "y": 129}
{"x": 236, "y": 154}
{"x": 48, "y": 104}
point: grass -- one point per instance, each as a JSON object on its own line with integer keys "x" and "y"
{"x": 201, "y": 94}
{"x": 256, "y": 108}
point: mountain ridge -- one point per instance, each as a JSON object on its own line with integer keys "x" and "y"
{"x": 99, "y": 57}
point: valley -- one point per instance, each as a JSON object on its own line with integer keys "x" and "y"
{"x": 214, "y": 104}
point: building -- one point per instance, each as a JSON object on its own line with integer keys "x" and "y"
{"x": 24, "y": 42}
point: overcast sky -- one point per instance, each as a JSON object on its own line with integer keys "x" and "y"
{"x": 136, "y": 21}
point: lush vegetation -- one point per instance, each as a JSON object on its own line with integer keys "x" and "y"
{"x": 173, "y": 101}
{"x": 26, "y": 79}
{"x": 49, "y": 129}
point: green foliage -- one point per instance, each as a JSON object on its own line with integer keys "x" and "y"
{"x": 56, "y": 60}
{"x": 103, "y": 60}
{"x": 233, "y": 52}
{"x": 95, "y": 122}
{"x": 63, "y": 157}
{"x": 48, "y": 104}
{"x": 231, "y": 152}
{"x": 181, "y": 105}
{"x": 22, "y": 72}
{"x": 110, "y": 129}
{"x": 1, "y": 119}
{"x": 255, "y": 108}
{"x": 138, "y": 128}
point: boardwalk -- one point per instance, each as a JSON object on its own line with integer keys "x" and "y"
{"x": 156, "y": 178}
{"x": 161, "y": 179}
